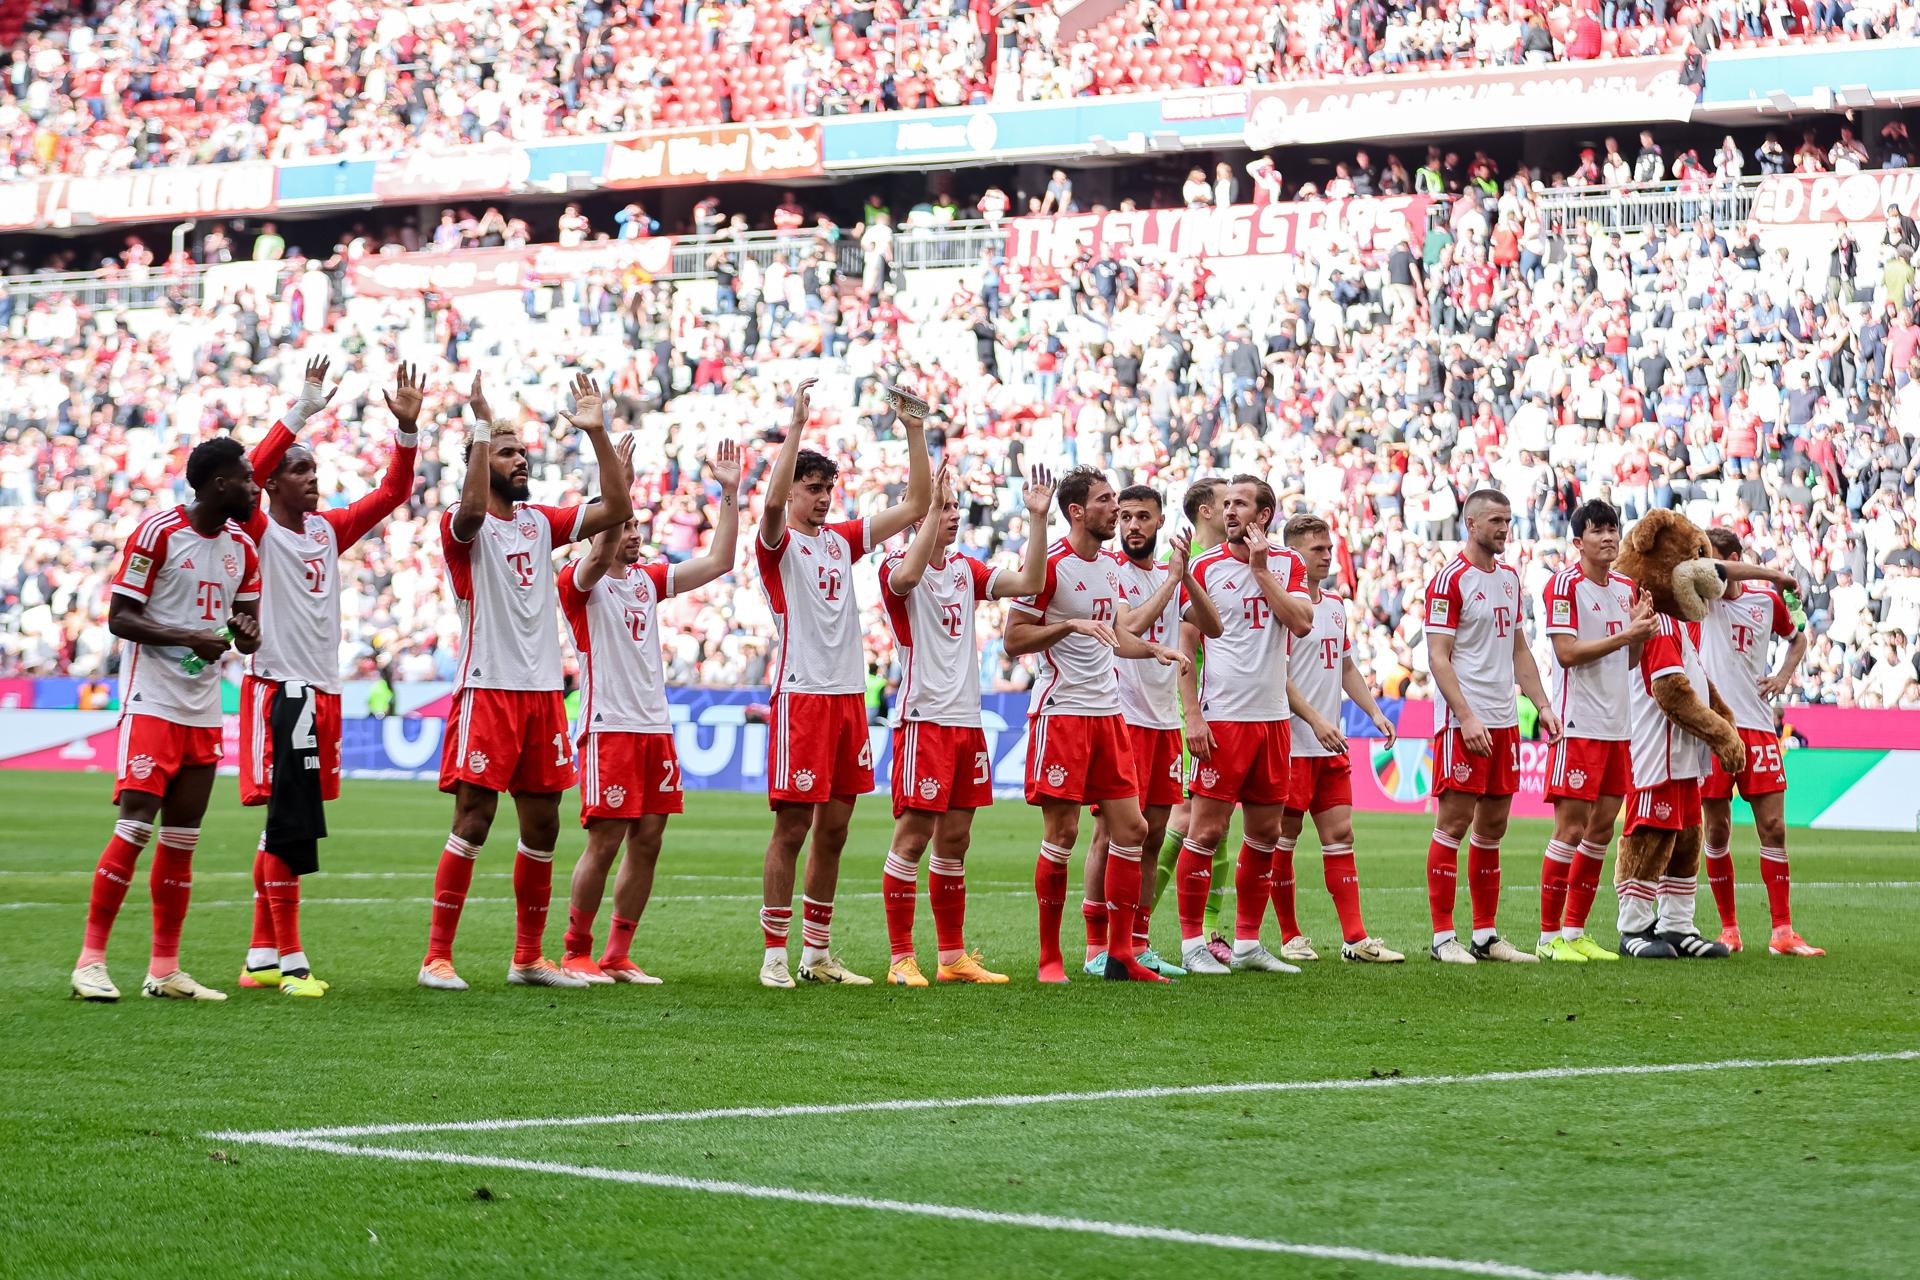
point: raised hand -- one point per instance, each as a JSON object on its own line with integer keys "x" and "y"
{"x": 1257, "y": 546}
{"x": 726, "y": 465}
{"x": 589, "y": 410}
{"x": 403, "y": 402}
{"x": 477, "y": 402}
{"x": 1641, "y": 626}
{"x": 315, "y": 395}
{"x": 942, "y": 486}
{"x": 803, "y": 403}
{"x": 627, "y": 444}
{"x": 1039, "y": 493}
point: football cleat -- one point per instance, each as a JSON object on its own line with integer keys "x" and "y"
{"x": 587, "y": 969}
{"x": 1260, "y": 960}
{"x": 1785, "y": 942}
{"x": 1129, "y": 969}
{"x": 1499, "y": 949}
{"x": 831, "y": 973}
{"x": 1298, "y": 948}
{"x": 1369, "y": 951}
{"x": 968, "y": 968}
{"x": 905, "y": 972}
{"x": 1730, "y": 939}
{"x": 1095, "y": 965}
{"x": 1645, "y": 946}
{"x": 625, "y": 970}
{"x": 1199, "y": 959}
{"x": 309, "y": 986}
{"x": 178, "y": 985}
{"x": 439, "y": 976}
{"x": 91, "y": 982}
{"x": 1590, "y": 949}
{"x": 267, "y": 976}
{"x": 1692, "y": 946}
{"x": 542, "y": 973}
{"x": 773, "y": 971}
{"x": 1165, "y": 968}
{"x": 1451, "y": 952}
{"x": 1560, "y": 951}
{"x": 1220, "y": 949}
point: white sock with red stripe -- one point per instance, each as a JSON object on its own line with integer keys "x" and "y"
{"x": 816, "y": 929}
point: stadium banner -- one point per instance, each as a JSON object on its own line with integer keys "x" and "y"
{"x": 487, "y": 168}
{"x": 1129, "y": 124}
{"x": 496, "y": 270}
{"x": 1237, "y": 231}
{"x": 1804, "y": 199}
{"x": 716, "y": 153}
{"x": 1563, "y": 94}
{"x": 1809, "y": 74}
{"x": 173, "y": 191}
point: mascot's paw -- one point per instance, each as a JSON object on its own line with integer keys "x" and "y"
{"x": 1693, "y": 946}
{"x": 1731, "y": 753}
{"x": 1646, "y": 946}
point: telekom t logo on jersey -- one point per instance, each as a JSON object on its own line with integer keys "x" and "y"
{"x": 830, "y": 581}
{"x": 1256, "y": 611}
{"x": 211, "y": 599}
{"x": 316, "y": 574}
{"x": 1329, "y": 652}
{"x": 521, "y": 562}
{"x": 637, "y": 623}
{"x": 1743, "y": 638}
{"x": 952, "y": 616}
{"x": 1502, "y": 621}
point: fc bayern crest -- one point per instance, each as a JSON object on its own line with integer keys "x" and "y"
{"x": 803, "y": 780}
{"x": 616, "y": 796}
{"x": 1462, "y": 771}
{"x": 929, "y": 788}
{"x": 1663, "y": 811}
{"x": 1577, "y": 778}
{"x": 527, "y": 527}
{"x": 477, "y": 761}
{"x": 231, "y": 565}
{"x": 1208, "y": 777}
{"x": 1056, "y": 774}
{"x": 141, "y": 767}
{"x": 833, "y": 548}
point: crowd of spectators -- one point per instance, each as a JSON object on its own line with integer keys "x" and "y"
{"x": 120, "y": 84}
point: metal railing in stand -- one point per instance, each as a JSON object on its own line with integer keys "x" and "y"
{"x": 100, "y": 290}
{"x": 1655, "y": 204}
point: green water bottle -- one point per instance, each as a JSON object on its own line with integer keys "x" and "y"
{"x": 193, "y": 664}
{"x": 1795, "y": 610}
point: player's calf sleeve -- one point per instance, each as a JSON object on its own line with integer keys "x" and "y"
{"x": 816, "y": 926}
{"x": 619, "y": 939}
{"x": 1583, "y": 885}
{"x": 1556, "y": 870}
{"x": 1094, "y": 915}
{"x": 1483, "y": 886}
{"x": 1283, "y": 890}
{"x": 450, "y": 884}
{"x": 899, "y": 882}
{"x": 283, "y": 901}
{"x": 1443, "y": 875}
{"x": 1720, "y": 882}
{"x": 171, "y": 882}
{"x": 1773, "y": 873}
{"x": 1123, "y": 899}
{"x": 947, "y": 897}
{"x": 532, "y": 894}
{"x": 1050, "y": 888}
{"x": 112, "y": 877}
{"x": 1193, "y": 890}
{"x": 1251, "y": 886}
{"x": 1343, "y": 885}
{"x": 578, "y": 939}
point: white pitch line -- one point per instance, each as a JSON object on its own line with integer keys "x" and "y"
{"x": 295, "y": 1137}
{"x": 662, "y": 900}
{"x": 964, "y": 1213}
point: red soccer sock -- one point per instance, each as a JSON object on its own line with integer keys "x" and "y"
{"x": 775, "y": 924}
{"x": 1283, "y": 891}
{"x": 1143, "y": 920}
{"x": 112, "y": 877}
{"x": 1251, "y": 889}
{"x": 1192, "y": 881}
{"x": 262, "y": 939}
{"x": 578, "y": 939}
{"x": 947, "y": 896}
{"x": 1720, "y": 881}
{"x": 816, "y": 923}
{"x": 532, "y": 895}
{"x": 619, "y": 939}
{"x": 1123, "y": 899}
{"x": 1483, "y": 883}
{"x": 1583, "y": 885}
{"x": 1094, "y": 915}
{"x": 1556, "y": 871}
{"x": 1050, "y": 888}
{"x": 1343, "y": 885}
{"x": 450, "y": 884}
{"x": 1773, "y": 873}
{"x": 283, "y": 901}
{"x": 898, "y": 887}
{"x": 1443, "y": 875}
{"x": 171, "y": 882}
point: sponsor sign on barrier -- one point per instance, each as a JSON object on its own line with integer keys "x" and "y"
{"x": 718, "y": 153}
{"x": 493, "y": 270}
{"x": 486, "y": 168}
{"x": 175, "y": 191}
{"x": 1801, "y": 199}
{"x": 1237, "y": 231}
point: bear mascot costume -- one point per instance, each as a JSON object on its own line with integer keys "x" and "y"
{"x": 1678, "y": 724}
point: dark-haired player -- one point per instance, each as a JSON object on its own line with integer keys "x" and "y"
{"x": 189, "y": 573}
{"x": 819, "y": 758}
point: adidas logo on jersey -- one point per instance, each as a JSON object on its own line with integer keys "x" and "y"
{"x": 187, "y": 563}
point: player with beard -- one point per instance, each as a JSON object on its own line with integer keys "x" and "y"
{"x": 300, "y": 549}
{"x": 1158, "y": 598}
{"x": 508, "y": 730}
{"x": 1079, "y": 751}
{"x": 187, "y": 571}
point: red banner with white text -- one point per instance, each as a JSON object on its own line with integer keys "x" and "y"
{"x": 179, "y": 191}
{"x": 717, "y": 153}
{"x": 504, "y": 270}
{"x": 1801, "y": 199}
{"x": 1237, "y": 231}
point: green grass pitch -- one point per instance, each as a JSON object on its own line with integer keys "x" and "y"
{"x": 1800, "y": 1171}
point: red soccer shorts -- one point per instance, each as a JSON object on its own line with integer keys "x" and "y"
{"x": 1251, "y": 763}
{"x": 1085, "y": 759}
{"x": 1320, "y": 783}
{"x": 256, "y": 739}
{"x": 1156, "y": 758}
{"x": 1670, "y": 806}
{"x": 818, "y": 748}
{"x": 153, "y": 751}
{"x": 1587, "y": 768}
{"x": 1765, "y": 774}
{"x": 512, "y": 740}
{"x": 1457, "y": 769}
{"x": 628, "y": 775}
{"x": 937, "y": 767}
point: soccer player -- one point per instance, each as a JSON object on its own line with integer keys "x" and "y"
{"x": 1734, "y": 642}
{"x": 1078, "y": 749}
{"x": 1321, "y": 785}
{"x": 942, "y": 771}
{"x": 819, "y": 756}
{"x": 1237, "y": 719}
{"x": 1476, "y": 649}
{"x": 188, "y": 586}
{"x": 300, "y": 547}
{"x": 1592, "y": 622}
{"x": 1158, "y": 598}
{"x": 629, "y": 771}
{"x": 508, "y": 730}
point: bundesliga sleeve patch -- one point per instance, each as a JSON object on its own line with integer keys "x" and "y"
{"x": 139, "y": 568}
{"x": 1562, "y": 613}
{"x": 1440, "y": 609}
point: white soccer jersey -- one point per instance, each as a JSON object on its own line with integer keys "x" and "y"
{"x": 1479, "y": 608}
{"x": 809, "y": 585}
{"x": 1076, "y": 674}
{"x": 623, "y": 688}
{"x": 1149, "y": 688}
{"x": 1319, "y": 659}
{"x": 933, "y": 629}
{"x": 187, "y": 581}
{"x": 1734, "y": 641}
{"x": 1243, "y": 673}
{"x": 1662, "y": 751}
{"x": 503, "y": 585}
{"x": 1591, "y": 700}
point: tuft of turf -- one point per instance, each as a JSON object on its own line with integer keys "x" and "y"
{"x": 1807, "y": 1171}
